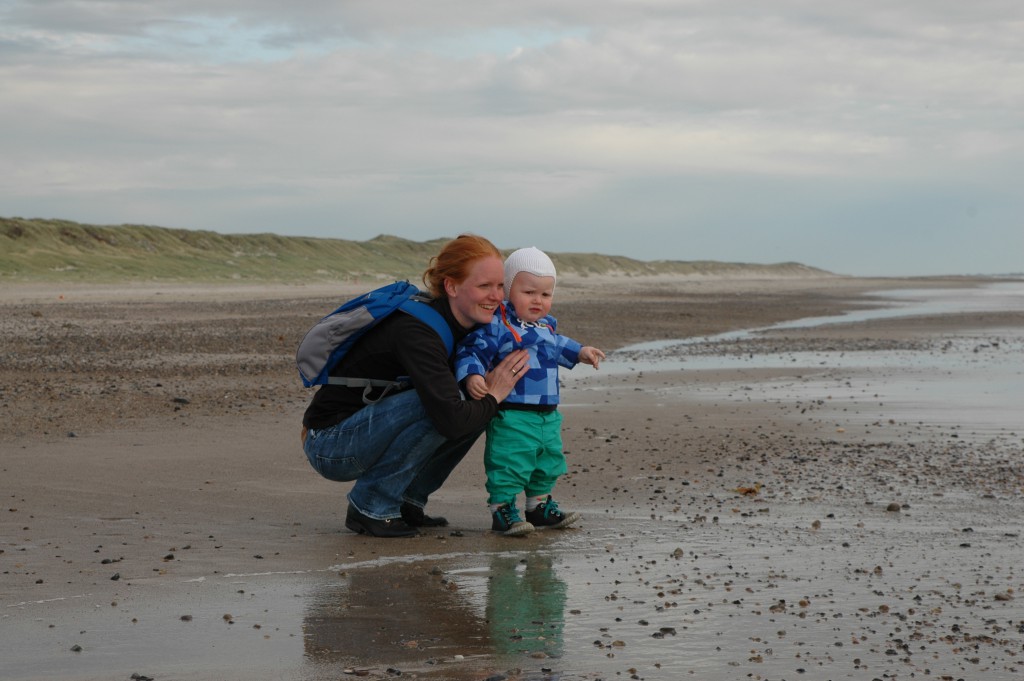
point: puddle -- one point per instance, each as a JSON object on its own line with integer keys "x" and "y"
{"x": 769, "y": 596}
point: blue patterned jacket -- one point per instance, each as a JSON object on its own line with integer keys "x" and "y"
{"x": 488, "y": 344}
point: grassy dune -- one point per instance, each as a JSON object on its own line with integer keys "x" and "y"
{"x": 35, "y": 250}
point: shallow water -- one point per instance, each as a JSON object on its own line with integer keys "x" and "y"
{"x": 765, "y": 596}
{"x": 971, "y": 380}
{"x": 996, "y": 297}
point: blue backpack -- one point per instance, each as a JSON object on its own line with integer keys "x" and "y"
{"x": 326, "y": 343}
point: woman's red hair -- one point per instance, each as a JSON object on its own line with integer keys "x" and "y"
{"x": 455, "y": 260}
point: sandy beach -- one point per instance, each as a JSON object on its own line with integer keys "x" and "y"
{"x": 815, "y": 515}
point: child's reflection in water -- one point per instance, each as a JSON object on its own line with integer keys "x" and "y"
{"x": 526, "y": 605}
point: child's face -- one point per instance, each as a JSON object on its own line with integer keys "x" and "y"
{"x": 531, "y": 296}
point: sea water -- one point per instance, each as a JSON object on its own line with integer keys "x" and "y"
{"x": 973, "y": 378}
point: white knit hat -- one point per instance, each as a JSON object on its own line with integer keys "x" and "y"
{"x": 532, "y": 260}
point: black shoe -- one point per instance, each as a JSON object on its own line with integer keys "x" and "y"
{"x": 507, "y": 521}
{"x": 548, "y": 515}
{"x": 413, "y": 515}
{"x": 364, "y": 524}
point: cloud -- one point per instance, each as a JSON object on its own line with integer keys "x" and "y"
{"x": 581, "y": 119}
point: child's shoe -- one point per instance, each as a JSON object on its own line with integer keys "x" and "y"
{"x": 547, "y": 514}
{"x": 506, "y": 520}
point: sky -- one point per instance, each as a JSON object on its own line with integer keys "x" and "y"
{"x": 864, "y": 137}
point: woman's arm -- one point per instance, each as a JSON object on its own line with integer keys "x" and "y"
{"x": 423, "y": 355}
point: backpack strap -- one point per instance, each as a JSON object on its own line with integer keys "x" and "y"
{"x": 368, "y": 384}
{"x": 417, "y": 306}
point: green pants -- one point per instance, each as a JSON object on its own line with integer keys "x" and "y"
{"x": 523, "y": 454}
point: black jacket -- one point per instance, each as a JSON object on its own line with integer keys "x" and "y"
{"x": 402, "y": 345}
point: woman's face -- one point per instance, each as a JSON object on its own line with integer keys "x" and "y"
{"x": 474, "y": 300}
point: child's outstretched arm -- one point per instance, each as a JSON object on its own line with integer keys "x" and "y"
{"x": 591, "y": 355}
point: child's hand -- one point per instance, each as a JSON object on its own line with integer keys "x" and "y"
{"x": 476, "y": 386}
{"x": 591, "y": 355}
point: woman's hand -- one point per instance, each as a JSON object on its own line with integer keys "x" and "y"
{"x": 503, "y": 377}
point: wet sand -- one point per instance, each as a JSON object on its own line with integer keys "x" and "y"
{"x": 159, "y": 518}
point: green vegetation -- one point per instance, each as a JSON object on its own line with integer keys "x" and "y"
{"x": 62, "y": 251}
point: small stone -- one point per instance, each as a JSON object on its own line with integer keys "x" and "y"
{"x": 893, "y": 507}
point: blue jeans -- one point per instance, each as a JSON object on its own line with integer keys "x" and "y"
{"x": 393, "y": 452}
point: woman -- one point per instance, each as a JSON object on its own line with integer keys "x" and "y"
{"x": 402, "y": 448}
